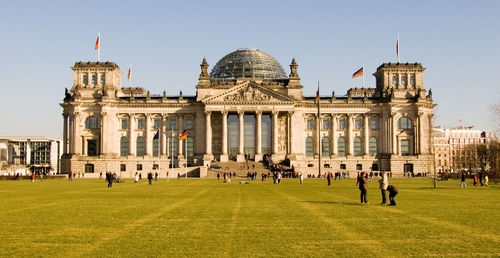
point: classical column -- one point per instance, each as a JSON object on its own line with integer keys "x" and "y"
{"x": 291, "y": 135}
{"x": 258, "y": 118}
{"x": 180, "y": 130}
{"x": 350, "y": 144}
{"x": 208, "y": 135}
{"x": 71, "y": 132}
{"x": 394, "y": 140}
{"x": 224, "y": 157}
{"x": 275, "y": 132}
{"x": 147, "y": 136}
{"x": 65, "y": 134}
{"x": 429, "y": 135}
{"x": 333, "y": 139}
{"x": 317, "y": 140}
{"x": 162, "y": 134}
{"x": 241, "y": 152}
{"x": 104, "y": 136}
{"x": 418, "y": 138}
{"x": 366, "y": 127}
{"x": 131, "y": 136}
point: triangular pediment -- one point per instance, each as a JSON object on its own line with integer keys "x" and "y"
{"x": 248, "y": 92}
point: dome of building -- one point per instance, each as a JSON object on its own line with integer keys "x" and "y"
{"x": 248, "y": 63}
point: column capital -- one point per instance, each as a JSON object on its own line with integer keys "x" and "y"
{"x": 275, "y": 112}
{"x": 208, "y": 113}
{"x": 241, "y": 112}
{"x": 224, "y": 112}
{"x": 258, "y": 112}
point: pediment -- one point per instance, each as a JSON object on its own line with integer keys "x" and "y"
{"x": 248, "y": 92}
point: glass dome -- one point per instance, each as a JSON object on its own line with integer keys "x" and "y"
{"x": 248, "y": 63}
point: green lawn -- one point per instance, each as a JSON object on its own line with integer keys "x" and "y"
{"x": 205, "y": 217}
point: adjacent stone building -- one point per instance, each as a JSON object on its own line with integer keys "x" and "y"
{"x": 247, "y": 108}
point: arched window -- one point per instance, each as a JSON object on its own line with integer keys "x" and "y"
{"x": 403, "y": 80}
{"x": 309, "y": 147}
{"x": 140, "y": 150}
{"x": 173, "y": 146}
{"x": 124, "y": 151}
{"x": 357, "y": 146}
{"x": 325, "y": 146}
{"x": 394, "y": 80}
{"x": 373, "y": 146}
{"x": 341, "y": 146}
{"x": 92, "y": 122}
{"x": 156, "y": 147}
{"x": 404, "y": 123}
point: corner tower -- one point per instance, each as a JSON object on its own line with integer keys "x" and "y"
{"x": 400, "y": 80}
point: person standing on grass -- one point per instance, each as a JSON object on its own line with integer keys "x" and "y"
{"x": 136, "y": 177}
{"x": 329, "y": 178}
{"x": 218, "y": 176}
{"x": 110, "y": 179}
{"x": 301, "y": 179}
{"x": 156, "y": 176}
{"x": 486, "y": 179}
{"x": 150, "y": 177}
{"x": 363, "y": 187}
{"x": 384, "y": 182}
{"x": 475, "y": 180}
{"x": 70, "y": 176}
{"x": 463, "y": 184}
{"x": 393, "y": 191}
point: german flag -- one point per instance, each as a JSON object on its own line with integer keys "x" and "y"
{"x": 97, "y": 43}
{"x": 358, "y": 73}
{"x": 183, "y": 135}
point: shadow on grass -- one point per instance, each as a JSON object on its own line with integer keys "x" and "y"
{"x": 331, "y": 202}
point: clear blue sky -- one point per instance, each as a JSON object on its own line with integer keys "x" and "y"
{"x": 457, "y": 41}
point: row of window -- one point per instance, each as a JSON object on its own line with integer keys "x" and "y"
{"x": 357, "y": 146}
{"x": 93, "y": 122}
{"x": 403, "y": 123}
{"x": 94, "y": 78}
{"x": 173, "y": 146}
{"x": 404, "y": 80}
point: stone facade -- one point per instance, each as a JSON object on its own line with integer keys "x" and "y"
{"x": 260, "y": 115}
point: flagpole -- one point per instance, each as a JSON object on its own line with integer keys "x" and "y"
{"x": 318, "y": 124}
{"x": 130, "y": 76}
{"x": 398, "y": 48}
{"x": 172, "y": 151}
{"x": 99, "y": 47}
{"x": 186, "y": 148}
{"x": 363, "y": 67}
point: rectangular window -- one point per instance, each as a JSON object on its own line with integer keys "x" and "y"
{"x": 405, "y": 147}
{"x": 91, "y": 147}
{"x": 155, "y": 166}
{"x": 359, "y": 167}
{"x": 123, "y": 167}
{"x": 85, "y": 79}
{"x": 189, "y": 124}
{"x": 156, "y": 124}
{"x": 172, "y": 123}
{"x": 342, "y": 124}
{"x": 357, "y": 124}
{"x": 124, "y": 123}
{"x": 140, "y": 123}
{"x": 342, "y": 166}
{"x": 309, "y": 124}
{"x": 373, "y": 124}
{"x": 94, "y": 78}
{"x": 325, "y": 124}
{"x": 139, "y": 167}
{"x": 103, "y": 78}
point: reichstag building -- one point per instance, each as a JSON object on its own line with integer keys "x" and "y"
{"x": 247, "y": 108}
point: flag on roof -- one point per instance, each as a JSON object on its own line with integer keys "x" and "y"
{"x": 358, "y": 73}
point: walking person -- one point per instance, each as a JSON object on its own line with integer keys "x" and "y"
{"x": 463, "y": 184}
{"x": 486, "y": 179}
{"x": 156, "y": 176}
{"x": 363, "y": 187}
{"x": 475, "y": 180}
{"x": 301, "y": 179}
{"x": 329, "y": 178}
{"x": 136, "y": 177}
{"x": 384, "y": 182}
{"x": 150, "y": 177}
{"x": 393, "y": 191}
{"x": 70, "y": 176}
{"x": 110, "y": 180}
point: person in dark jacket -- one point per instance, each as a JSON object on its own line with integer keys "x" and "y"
{"x": 363, "y": 187}
{"x": 393, "y": 191}
{"x": 150, "y": 177}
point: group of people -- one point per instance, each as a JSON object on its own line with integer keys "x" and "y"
{"x": 384, "y": 186}
{"x": 478, "y": 180}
